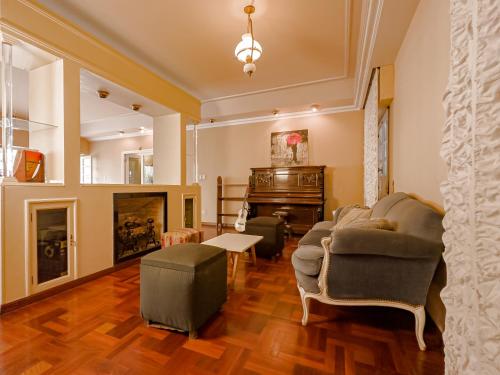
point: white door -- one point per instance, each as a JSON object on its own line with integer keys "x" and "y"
{"x": 52, "y": 250}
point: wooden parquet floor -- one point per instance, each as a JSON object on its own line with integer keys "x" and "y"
{"x": 96, "y": 329}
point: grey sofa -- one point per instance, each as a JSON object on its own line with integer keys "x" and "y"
{"x": 373, "y": 267}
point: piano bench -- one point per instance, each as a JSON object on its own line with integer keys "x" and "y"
{"x": 272, "y": 229}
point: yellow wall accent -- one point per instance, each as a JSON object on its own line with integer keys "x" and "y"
{"x": 84, "y": 146}
{"x": 30, "y": 21}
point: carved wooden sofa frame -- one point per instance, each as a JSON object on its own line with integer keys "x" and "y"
{"x": 417, "y": 310}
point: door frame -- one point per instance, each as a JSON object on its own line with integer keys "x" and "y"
{"x": 30, "y": 208}
{"x": 142, "y": 153}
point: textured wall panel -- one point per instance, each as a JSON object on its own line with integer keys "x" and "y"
{"x": 371, "y": 144}
{"x": 471, "y": 149}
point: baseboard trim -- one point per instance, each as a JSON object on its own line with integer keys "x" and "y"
{"x": 25, "y": 301}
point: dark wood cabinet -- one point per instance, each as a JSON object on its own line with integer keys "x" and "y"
{"x": 296, "y": 190}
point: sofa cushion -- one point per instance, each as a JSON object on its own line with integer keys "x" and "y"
{"x": 340, "y": 212}
{"x": 375, "y": 223}
{"x": 381, "y": 208}
{"x": 308, "y": 283}
{"x": 313, "y": 237}
{"x": 308, "y": 259}
{"x": 353, "y": 214}
{"x": 416, "y": 218}
{"x": 323, "y": 225}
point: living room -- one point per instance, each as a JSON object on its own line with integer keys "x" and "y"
{"x": 179, "y": 198}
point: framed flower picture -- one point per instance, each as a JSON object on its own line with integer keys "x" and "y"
{"x": 289, "y": 148}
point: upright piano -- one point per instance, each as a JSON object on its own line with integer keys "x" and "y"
{"x": 299, "y": 191}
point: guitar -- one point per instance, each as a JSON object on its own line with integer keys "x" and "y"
{"x": 240, "y": 222}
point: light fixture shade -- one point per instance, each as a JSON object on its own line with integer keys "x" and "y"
{"x": 244, "y": 48}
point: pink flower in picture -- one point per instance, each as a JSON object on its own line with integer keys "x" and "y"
{"x": 293, "y": 139}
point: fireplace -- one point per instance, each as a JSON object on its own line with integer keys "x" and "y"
{"x": 139, "y": 221}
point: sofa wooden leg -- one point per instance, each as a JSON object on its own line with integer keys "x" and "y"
{"x": 305, "y": 305}
{"x": 419, "y": 326}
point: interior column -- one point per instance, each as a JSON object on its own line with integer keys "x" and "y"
{"x": 169, "y": 149}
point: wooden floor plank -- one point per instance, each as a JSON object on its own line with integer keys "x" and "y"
{"x": 96, "y": 328}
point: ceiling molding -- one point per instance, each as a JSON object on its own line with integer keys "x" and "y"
{"x": 267, "y": 118}
{"x": 92, "y": 37}
{"x": 14, "y": 27}
{"x": 278, "y": 88}
{"x": 367, "y": 43}
{"x": 118, "y": 136}
{"x": 347, "y": 36}
{"x": 369, "y": 28}
{"x": 347, "y": 50}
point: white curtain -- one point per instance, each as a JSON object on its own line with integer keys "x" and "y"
{"x": 371, "y": 144}
{"x": 471, "y": 149}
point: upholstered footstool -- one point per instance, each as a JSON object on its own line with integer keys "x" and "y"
{"x": 183, "y": 286}
{"x": 183, "y": 235}
{"x": 272, "y": 229}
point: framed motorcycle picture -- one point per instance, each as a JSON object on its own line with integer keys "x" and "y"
{"x": 139, "y": 221}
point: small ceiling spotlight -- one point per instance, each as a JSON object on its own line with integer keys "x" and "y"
{"x": 212, "y": 120}
{"x": 136, "y": 107}
{"x": 122, "y": 133}
{"x": 275, "y": 113}
{"x": 142, "y": 129}
{"x": 314, "y": 108}
{"x": 103, "y": 94}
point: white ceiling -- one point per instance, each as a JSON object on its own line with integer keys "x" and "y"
{"x": 314, "y": 52}
{"x": 105, "y": 118}
{"x": 192, "y": 42}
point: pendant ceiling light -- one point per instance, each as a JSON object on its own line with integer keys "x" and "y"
{"x": 248, "y": 50}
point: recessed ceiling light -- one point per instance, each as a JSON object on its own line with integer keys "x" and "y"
{"x": 314, "y": 108}
{"x": 212, "y": 120}
{"x": 103, "y": 94}
{"x": 121, "y": 132}
{"x": 136, "y": 107}
{"x": 275, "y": 112}
{"x": 142, "y": 129}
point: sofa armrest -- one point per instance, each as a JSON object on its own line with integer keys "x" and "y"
{"x": 352, "y": 241}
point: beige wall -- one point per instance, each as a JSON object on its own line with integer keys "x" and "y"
{"x": 94, "y": 245}
{"x": 94, "y": 249}
{"x": 335, "y": 140}
{"x": 107, "y": 157}
{"x": 417, "y": 114}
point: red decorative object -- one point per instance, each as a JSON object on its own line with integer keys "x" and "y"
{"x": 29, "y": 166}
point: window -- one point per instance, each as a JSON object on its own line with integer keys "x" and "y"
{"x": 85, "y": 169}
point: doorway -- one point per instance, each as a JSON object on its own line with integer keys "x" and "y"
{"x": 138, "y": 167}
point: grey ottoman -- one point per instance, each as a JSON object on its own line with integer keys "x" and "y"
{"x": 183, "y": 286}
{"x": 272, "y": 229}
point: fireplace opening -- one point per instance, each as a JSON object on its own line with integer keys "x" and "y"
{"x": 139, "y": 221}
